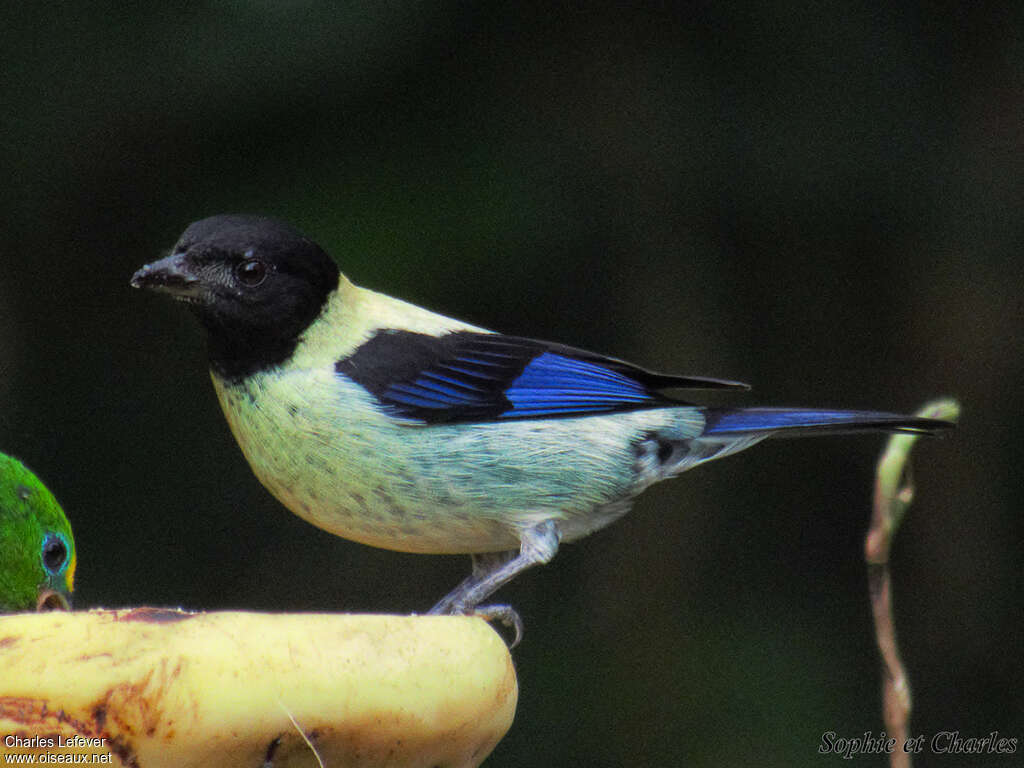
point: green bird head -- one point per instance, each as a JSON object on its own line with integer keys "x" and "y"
{"x": 37, "y": 550}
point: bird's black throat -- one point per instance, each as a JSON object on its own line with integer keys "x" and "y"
{"x": 256, "y": 284}
{"x": 245, "y": 340}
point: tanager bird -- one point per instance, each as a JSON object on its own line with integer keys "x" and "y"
{"x": 397, "y": 427}
{"x": 37, "y": 550}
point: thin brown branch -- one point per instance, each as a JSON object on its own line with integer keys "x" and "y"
{"x": 894, "y": 491}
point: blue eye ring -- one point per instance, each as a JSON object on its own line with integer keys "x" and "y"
{"x": 55, "y": 553}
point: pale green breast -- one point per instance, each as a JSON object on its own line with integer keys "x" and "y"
{"x": 320, "y": 444}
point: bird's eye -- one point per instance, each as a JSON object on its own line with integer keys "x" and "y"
{"x": 55, "y": 552}
{"x": 251, "y": 272}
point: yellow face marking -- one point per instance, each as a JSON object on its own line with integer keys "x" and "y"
{"x": 69, "y": 574}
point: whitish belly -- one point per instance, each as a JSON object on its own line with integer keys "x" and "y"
{"x": 333, "y": 459}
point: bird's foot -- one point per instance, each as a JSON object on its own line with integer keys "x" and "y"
{"x": 506, "y": 614}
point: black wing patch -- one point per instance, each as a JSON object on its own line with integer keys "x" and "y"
{"x": 469, "y": 376}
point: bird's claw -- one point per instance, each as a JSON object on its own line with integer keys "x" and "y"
{"x": 504, "y": 613}
{"x": 507, "y": 615}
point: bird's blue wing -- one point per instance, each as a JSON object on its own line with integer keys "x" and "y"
{"x": 469, "y": 376}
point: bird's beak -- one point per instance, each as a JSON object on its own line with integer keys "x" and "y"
{"x": 169, "y": 275}
{"x": 51, "y": 600}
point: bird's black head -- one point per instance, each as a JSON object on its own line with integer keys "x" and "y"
{"x": 256, "y": 284}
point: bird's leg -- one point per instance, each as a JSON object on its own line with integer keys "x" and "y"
{"x": 492, "y": 570}
{"x": 484, "y": 564}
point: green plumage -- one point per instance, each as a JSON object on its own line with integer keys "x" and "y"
{"x": 37, "y": 549}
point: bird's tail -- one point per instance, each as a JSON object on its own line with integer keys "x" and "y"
{"x": 728, "y": 422}
{"x": 730, "y": 430}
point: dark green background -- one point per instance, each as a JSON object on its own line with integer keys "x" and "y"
{"x": 823, "y": 199}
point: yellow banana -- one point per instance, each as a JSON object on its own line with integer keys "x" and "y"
{"x": 151, "y": 687}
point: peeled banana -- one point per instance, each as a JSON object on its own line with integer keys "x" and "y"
{"x": 152, "y": 687}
